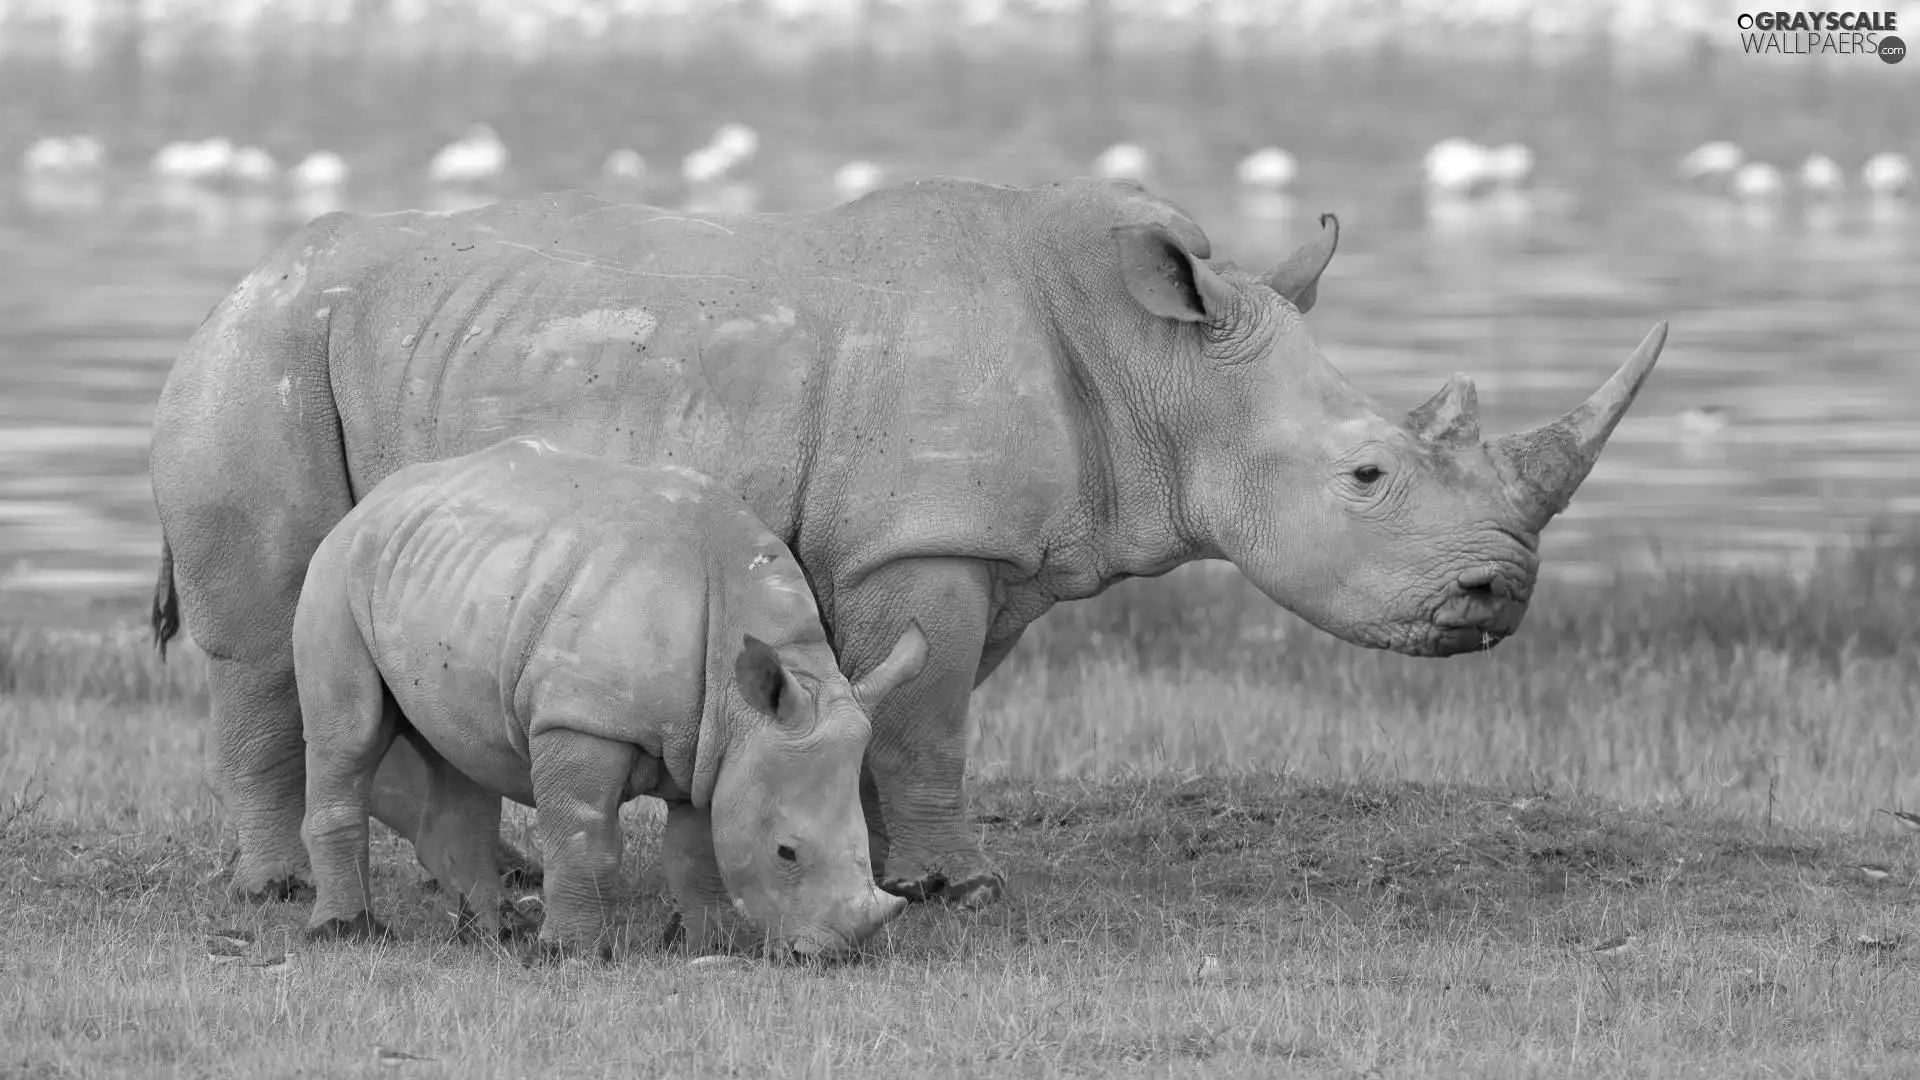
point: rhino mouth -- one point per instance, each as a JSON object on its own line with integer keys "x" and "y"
{"x": 1470, "y": 623}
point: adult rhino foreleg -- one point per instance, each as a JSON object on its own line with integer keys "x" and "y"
{"x": 911, "y": 785}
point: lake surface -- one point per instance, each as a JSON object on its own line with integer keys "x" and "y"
{"x": 1800, "y": 322}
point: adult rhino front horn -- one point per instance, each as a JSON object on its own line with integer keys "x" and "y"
{"x": 957, "y": 403}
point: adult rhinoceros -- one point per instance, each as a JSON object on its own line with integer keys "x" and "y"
{"x": 956, "y": 402}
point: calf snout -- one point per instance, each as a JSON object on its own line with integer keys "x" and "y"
{"x": 853, "y": 922}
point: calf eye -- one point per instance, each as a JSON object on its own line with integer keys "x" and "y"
{"x": 1367, "y": 474}
{"x": 786, "y": 853}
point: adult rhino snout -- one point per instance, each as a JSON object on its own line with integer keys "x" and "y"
{"x": 1485, "y": 605}
{"x": 1542, "y": 468}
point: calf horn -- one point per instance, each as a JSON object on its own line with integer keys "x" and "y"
{"x": 1544, "y": 467}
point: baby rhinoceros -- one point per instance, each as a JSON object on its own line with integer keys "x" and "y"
{"x": 572, "y": 632}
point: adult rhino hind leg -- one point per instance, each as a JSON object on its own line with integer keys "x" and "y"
{"x": 247, "y": 478}
{"x": 260, "y": 772}
{"x": 912, "y": 780}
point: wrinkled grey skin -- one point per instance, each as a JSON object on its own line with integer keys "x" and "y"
{"x": 954, "y": 401}
{"x": 573, "y": 632}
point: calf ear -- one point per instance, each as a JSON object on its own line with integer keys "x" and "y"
{"x": 762, "y": 681}
{"x": 1165, "y": 278}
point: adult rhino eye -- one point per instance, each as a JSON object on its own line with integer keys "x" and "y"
{"x": 786, "y": 853}
{"x": 1367, "y": 474}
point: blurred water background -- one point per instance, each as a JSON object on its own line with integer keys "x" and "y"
{"x": 1783, "y": 413}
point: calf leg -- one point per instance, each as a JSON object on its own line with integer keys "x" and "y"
{"x": 458, "y": 833}
{"x": 350, "y": 719}
{"x": 259, "y": 764}
{"x": 578, "y": 781}
{"x": 400, "y": 797}
{"x": 915, "y": 765}
{"x": 693, "y": 875}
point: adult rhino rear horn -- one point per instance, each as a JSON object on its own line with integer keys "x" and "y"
{"x": 1451, "y": 418}
{"x": 1543, "y": 467}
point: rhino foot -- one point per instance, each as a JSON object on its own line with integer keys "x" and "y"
{"x": 291, "y": 887}
{"x": 362, "y": 927}
{"x": 917, "y": 890}
{"x": 975, "y": 893}
{"x": 513, "y": 924}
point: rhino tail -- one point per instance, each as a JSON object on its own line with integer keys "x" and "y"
{"x": 166, "y": 603}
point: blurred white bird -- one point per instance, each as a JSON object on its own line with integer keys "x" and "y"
{"x": 318, "y": 170}
{"x": 252, "y": 166}
{"x": 705, "y": 165}
{"x": 1268, "y": 167}
{"x": 1509, "y": 165}
{"x": 474, "y": 157}
{"x": 194, "y": 162}
{"x": 624, "y": 164}
{"x": 1756, "y": 181}
{"x": 738, "y": 140}
{"x": 731, "y": 146}
{"x": 1711, "y": 162}
{"x": 1703, "y": 422}
{"x": 1455, "y": 166}
{"x": 1887, "y": 174}
{"x": 64, "y": 155}
{"x": 1123, "y": 161}
{"x": 1820, "y": 175}
{"x": 856, "y": 178}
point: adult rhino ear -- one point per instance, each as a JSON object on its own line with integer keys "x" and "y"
{"x": 762, "y": 681}
{"x": 1165, "y": 278}
{"x": 1298, "y": 278}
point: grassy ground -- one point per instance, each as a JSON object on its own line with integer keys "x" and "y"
{"x": 1401, "y": 871}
